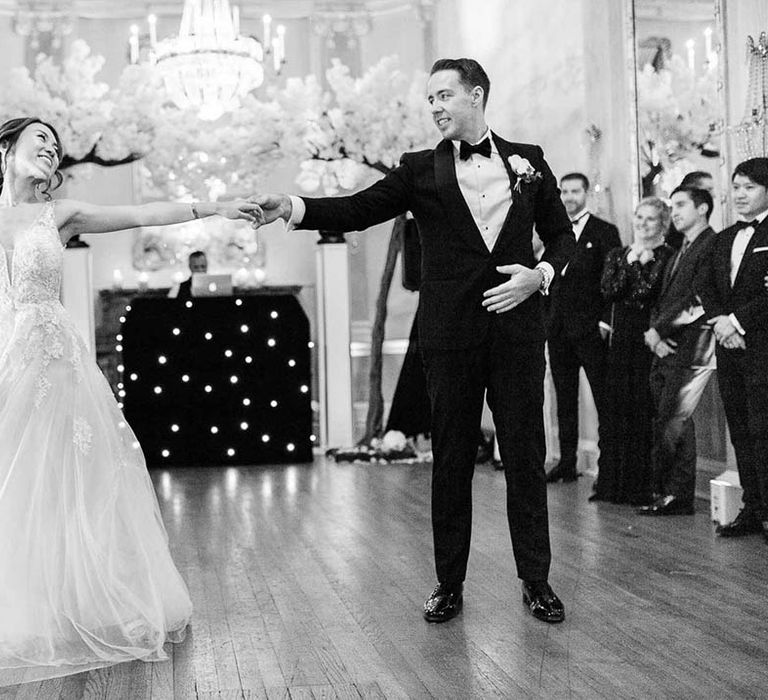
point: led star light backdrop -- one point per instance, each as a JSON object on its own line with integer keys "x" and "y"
{"x": 218, "y": 380}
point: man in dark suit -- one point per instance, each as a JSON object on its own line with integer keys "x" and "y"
{"x": 476, "y": 198}
{"x": 736, "y": 302}
{"x": 573, "y": 316}
{"x": 684, "y": 348}
{"x": 198, "y": 263}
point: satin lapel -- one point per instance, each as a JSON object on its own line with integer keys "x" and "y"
{"x": 505, "y": 151}
{"x": 453, "y": 200}
{"x": 759, "y": 236}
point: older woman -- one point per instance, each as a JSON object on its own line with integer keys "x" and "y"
{"x": 631, "y": 282}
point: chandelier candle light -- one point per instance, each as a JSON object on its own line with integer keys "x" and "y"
{"x": 210, "y": 65}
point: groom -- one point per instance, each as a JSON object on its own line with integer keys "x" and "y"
{"x": 476, "y": 199}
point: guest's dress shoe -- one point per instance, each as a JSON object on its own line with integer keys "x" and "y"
{"x": 541, "y": 600}
{"x": 745, "y": 523}
{"x": 444, "y": 603}
{"x": 668, "y": 505}
{"x": 565, "y": 471}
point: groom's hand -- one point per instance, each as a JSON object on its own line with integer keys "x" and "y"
{"x": 523, "y": 282}
{"x": 274, "y": 206}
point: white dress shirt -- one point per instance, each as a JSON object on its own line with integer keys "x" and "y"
{"x": 487, "y": 191}
{"x": 739, "y": 247}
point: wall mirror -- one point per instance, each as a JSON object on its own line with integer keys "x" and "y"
{"x": 679, "y": 107}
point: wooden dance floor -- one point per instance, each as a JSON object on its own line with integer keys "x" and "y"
{"x": 308, "y": 582}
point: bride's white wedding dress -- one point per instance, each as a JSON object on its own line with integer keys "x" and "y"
{"x": 86, "y": 577}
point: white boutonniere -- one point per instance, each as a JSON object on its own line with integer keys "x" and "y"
{"x": 524, "y": 170}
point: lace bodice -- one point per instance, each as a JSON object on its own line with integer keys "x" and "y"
{"x": 34, "y": 273}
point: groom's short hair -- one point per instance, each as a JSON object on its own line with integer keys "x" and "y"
{"x": 471, "y": 73}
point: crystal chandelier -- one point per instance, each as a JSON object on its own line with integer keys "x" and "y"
{"x": 751, "y": 133}
{"x": 209, "y": 65}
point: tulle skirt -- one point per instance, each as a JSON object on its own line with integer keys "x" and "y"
{"x": 86, "y": 576}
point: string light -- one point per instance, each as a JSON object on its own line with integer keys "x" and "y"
{"x": 120, "y": 368}
{"x": 274, "y": 314}
{"x": 230, "y": 452}
{"x": 185, "y": 378}
{"x": 176, "y": 331}
{"x": 158, "y": 390}
{"x": 233, "y": 379}
{"x": 291, "y": 363}
{"x": 208, "y": 388}
{"x": 244, "y": 328}
{"x": 271, "y": 342}
{"x": 208, "y": 336}
{"x": 273, "y": 403}
{"x": 246, "y": 402}
{"x": 304, "y": 388}
{"x": 175, "y": 428}
{"x": 166, "y": 453}
{"x": 188, "y": 304}
{"x": 227, "y": 353}
{"x": 290, "y": 447}
{"x": 265, "y": 438}
{"x": 162, "y": 359}
{"x": 134, "y": 376}
{"x": 238, "y": 302}
{"x": 243, "y": 426}
{"x": 214, "y": 429}
{"x": 248, "y": 360}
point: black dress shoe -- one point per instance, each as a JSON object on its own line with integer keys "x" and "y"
{"x": 668, "y": 505}
{"x": 444, "y": 603}
{"x": 565, "y": 471}
{"x": 542, "y": 602}
{"x": 745, "y": 523}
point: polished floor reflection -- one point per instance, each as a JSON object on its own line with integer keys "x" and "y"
{"x": 308, "y": 581}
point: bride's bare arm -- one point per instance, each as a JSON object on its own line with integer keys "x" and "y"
{"x": 73, "y": 217}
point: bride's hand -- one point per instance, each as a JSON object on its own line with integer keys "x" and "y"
{"x": 241, "y": 209}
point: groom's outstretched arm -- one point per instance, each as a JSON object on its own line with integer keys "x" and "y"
{"x": 382, "y": 201}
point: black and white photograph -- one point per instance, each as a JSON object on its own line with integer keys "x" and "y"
{"x": 383, "y": 349}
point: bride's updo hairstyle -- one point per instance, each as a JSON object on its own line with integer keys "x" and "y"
{"x": 9, "y": 135}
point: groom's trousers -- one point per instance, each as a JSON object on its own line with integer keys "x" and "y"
{"x": 457, "y": 380}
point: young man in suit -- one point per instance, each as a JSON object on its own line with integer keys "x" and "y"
{"x": 476, "y": 198}
{"x": 573, "y": 317}
{"x": 736, "y": 302}
{"x": 684, "y": 348}
{"x": 198, "y": 262}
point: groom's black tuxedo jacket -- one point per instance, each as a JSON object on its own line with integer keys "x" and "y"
{"x": 457, "y": 266}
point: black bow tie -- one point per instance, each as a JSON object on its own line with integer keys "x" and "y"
{"x": 482, "y": 149}
{"x": 746, "y": 224}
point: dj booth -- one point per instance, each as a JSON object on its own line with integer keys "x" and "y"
{"x": 219, "y": 380}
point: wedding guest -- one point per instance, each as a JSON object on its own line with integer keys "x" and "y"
{"x": 631, "y": 283}
{"x": 574, "y": 310}
{"x": 684, "y": 349}
{"x": 736, "y": 303}
{"x": 198, "y": 263}
{"x": 701, "y": 180}
{"x": 475, "y": 198}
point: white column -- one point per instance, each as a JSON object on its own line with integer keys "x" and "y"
{"x": 334, "y": 362}
{"x": 77, "y": 292}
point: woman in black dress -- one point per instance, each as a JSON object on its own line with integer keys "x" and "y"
{"x": 631, "y": 282}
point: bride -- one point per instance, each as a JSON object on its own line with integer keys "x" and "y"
{"x": 86, "y": 577}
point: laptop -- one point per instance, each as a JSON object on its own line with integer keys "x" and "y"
{"x": 205, "y": 285}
